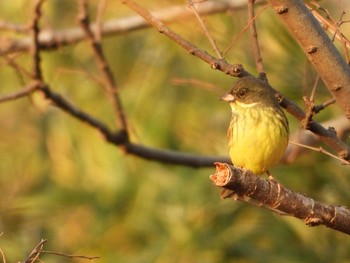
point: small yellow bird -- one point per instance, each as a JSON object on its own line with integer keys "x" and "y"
{"x": 258, "y": 133}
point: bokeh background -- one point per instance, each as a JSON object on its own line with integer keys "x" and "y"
{"x": 59, "y": 179}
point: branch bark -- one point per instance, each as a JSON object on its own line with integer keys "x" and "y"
{"x": 276, "y": 197}
{"x": 318, "y": 47}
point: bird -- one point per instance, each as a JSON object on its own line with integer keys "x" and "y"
{"x": 258, "y": 133}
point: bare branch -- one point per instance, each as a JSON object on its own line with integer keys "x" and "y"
{"x": 321, "y": 150}
{"x": 233, "y": 70}
{"x": 318, "y": 47}
{"x": 254, "y": 36}
{"x": 2, "y": 254}
{"x": 68, "y": 256}
{"x": 273, "y": 195}
{"x": 328, "y": 136}
{"x": 332, "y": 27}
{"x": 21, "y": 93}
{"x": 37, "y": 74}
{"x": 112, "y": 88}
{"x": 245, "y": 28}
{"x": 206, "y": 31}
{"x": 121, "y": 139}
{"x": 34, "y": 255}
{"x": 49, "y": 39}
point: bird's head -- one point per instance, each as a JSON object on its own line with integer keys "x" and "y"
{"x": 250, "y": 91}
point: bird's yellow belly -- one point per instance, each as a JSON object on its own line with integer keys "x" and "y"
{"x": 257, "y": 140}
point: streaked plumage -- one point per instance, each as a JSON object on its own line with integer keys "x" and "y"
{"x": 258, "y": 133}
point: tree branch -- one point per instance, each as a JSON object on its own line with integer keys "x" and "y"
{"x": 318, "y": 47}
{"x": 49, "y": 39}
{"x": 220, "y": 64}
{"x": 34, "y": 255}
{"x": 108, "y": 77}
{"x": 328, "y": 136}
{"x": 340, "y": 125}
{"x": 120, "y": 138}
{"x": 20, "y": 93}
{"x": 254, "y": 36}
{"x": 276, "y": 197}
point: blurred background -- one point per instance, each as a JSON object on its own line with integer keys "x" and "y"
{"x": 61, "y": 181}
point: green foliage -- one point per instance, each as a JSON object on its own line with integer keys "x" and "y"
{"x": 59, "y": 179}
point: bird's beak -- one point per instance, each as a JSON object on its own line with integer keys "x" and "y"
{"x": 228, "y": 97}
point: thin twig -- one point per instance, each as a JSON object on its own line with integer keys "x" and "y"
{"x": 69, "y": 256}
{"x": 310, "y": 104}
{"x": 254, "y": 37}
{"x": 34, "y": 255}
{"x": 220, "y": 64}
{"x": 37, "y": 74}
{"x": 331, "y": 27}
{"x": 245, "y": 28}
{"x": 119, "y": 138}
{"x": 328, "y": 136}
{"x": 33, "y": 86}
{"x": 2, "y": 256}
{"x": 200, "y": 84}
{"x": 99, "y": 20}
{"x": 113, "y": 90}
{"x": 206, "y": 31}
{"x": 19, "y": 70}
{"x": 325, "y": 104}
{"x": 321, "y": 150}
{"x": 335, "y": 27}
{"x": 2, "y": 252}
{"x": 50, "y": 39}
{"x": 313, "y": 92}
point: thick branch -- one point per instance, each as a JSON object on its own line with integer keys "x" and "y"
{"x": 318, "y": 47}
{"x": 278, "y": 198}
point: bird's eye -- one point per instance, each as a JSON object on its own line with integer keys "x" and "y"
{"x": 241, "y": 93}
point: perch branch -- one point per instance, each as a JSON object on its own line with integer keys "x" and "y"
{"x": 278, "y": 198}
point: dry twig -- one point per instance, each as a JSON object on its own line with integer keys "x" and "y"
{"x": 112, "y": 88}
{"x": 254, "y": 37}
{"x": 206, "y": 31}
{"x": 34, "y": 255}
{"x": 49, "y": 39}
